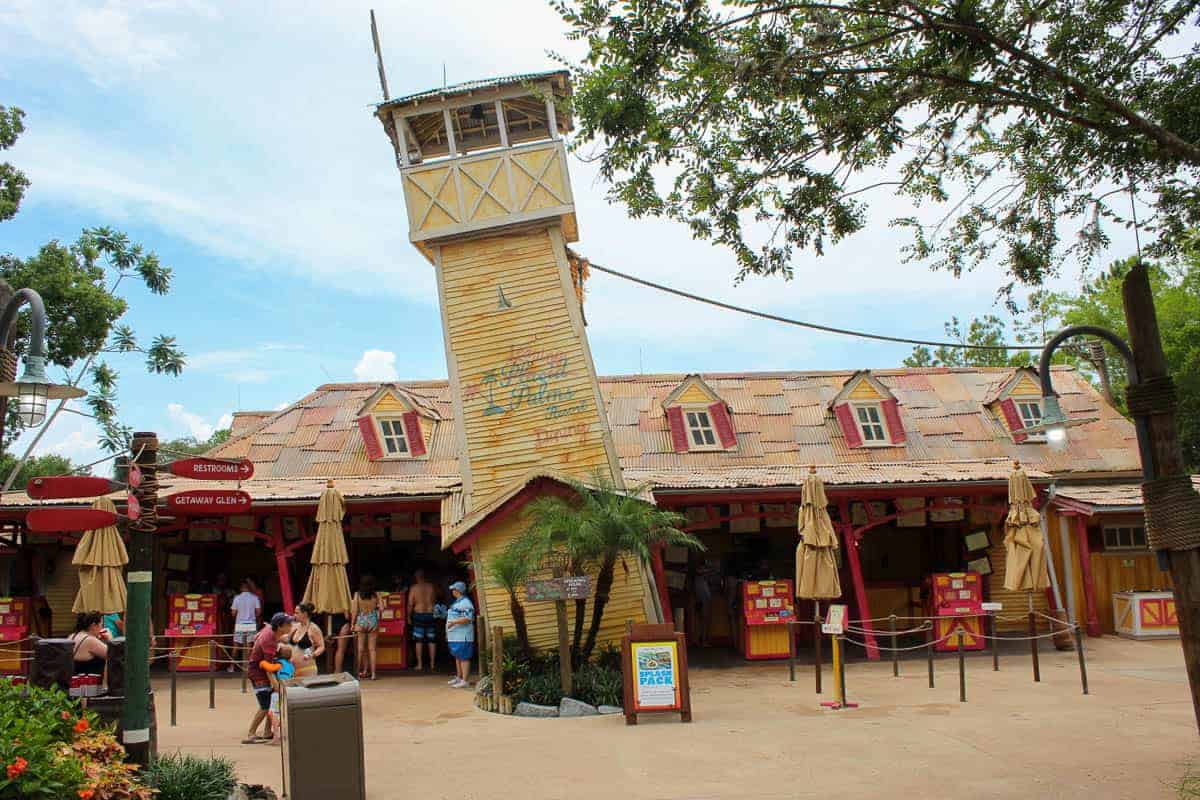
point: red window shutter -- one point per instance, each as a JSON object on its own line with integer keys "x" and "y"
{"x": 723, "y": 424}
{"x": 679, "y": 434}
{"x": 412, "y": 432}
{"x": 1013, "y": 418}
{"x": 891, "y": 414}
{"x": 366, "y": 427}
{"x": 845, "y": 418}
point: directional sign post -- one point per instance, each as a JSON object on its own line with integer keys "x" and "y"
{"x": 58, "y": 487}
{"x": 68, "y": 520}
{"x": 213, "y": 469}
{"x": 207, "y": 502}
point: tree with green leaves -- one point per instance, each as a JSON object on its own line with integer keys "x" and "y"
{"x": 982, "y": 339}
{"x": 768, "y": 127}
{"x": 510, "y": 568}
{"x": 52, "y": 464}
{"x": 80, "y": 285}
{"x": 603, "y": 526}
{"x": 190, "y": 445}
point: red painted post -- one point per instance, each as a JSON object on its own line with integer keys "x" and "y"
{"x": 281, "y": 563}
{"x": 660, "y": 582}
{"x": 850, "y": 543}
{"x": 1085, "y": 565}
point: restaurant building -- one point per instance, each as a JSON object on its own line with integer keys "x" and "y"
{"x": 437, "y": 473}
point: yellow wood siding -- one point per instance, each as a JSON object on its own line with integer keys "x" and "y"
{"x": 61, "y": 588}
{"x": 864, "y": 391}
{"x": 1124, "y": 571}
{"x": 389, "y": 403}
{"x": 626, "y": 601}
{"x": 1026, "y": 387}
{"x": 694, "y": 394}
{"x": 526, "y": 381}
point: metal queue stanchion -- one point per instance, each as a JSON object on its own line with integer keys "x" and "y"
{"x": 962, "y": 669}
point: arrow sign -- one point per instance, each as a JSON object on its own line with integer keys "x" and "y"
{"x": 213, "y": 469}
{"x": 205, "y": 502}
{"x": 56, "y": 520}
{"x": 61, "y": 486}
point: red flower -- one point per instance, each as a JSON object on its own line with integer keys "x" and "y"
{"x": 66, "y": 715}
{"x": 81, "y": 726}
{"x": 15, "y": 769}
{"x": 87, "y": 794}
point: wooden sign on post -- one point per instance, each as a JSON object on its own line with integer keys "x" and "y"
{"x": 209, "y": 501}
{"x": 213, "y": 469}
{"x": 59, "y": 487}
{"x": 570, "y": 587}
{"x": 68, "y": 520}
{"x": 655, "y": 671}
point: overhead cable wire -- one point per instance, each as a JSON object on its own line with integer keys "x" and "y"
{"x": 801, "y": 323}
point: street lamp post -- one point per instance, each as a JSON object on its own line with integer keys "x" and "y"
{"x": 33, "y": 389}
{"x": 1172, "y": 506}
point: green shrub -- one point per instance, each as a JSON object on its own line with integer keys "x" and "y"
{"x": 598, "y": 685}
{"x": 609, "y": 657}
{"x": 186, "y": 777}
{"x": 544, "y": 688}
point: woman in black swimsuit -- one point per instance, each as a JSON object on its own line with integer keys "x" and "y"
{"x": 308, "y": 641}
{"x": 90, "y": 644}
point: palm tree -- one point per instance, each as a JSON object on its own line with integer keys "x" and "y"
{"x": 510, "y": 567}
{"x": 601, "y": 525}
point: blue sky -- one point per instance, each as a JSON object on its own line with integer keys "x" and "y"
{"x": 237, "y": 141}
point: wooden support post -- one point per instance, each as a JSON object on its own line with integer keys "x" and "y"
{"x": 895, "y": 651}
{"x": 791, "y": 652}
{"x": 992, "y": 641}
{"x": 137, "y": 726}
{"x": 962, "y": 669}
{"x": 1033, "y": 648}
{"x": 173, "y": 666}
{"x": 564, "y": 641}
{"x": 497, "y": 664}
{"x": 481, "y": 623}
{"x": 850, "y": 547}
{"x": 1085, "y": 567}
{"x": 212, "y": 673}
{"x": 1082, "y": 664}
{"x": 929, "y": 653}
{"x": 840, "y": 658}
{"x": 817, "y": 643}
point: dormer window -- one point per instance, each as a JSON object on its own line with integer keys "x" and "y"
{"x": 1018, "y": 404}
{"x": 868, "y": 413}
{"x": 394, "y": 441}
{"x": 870, "y": 423}
{"x": 698, "y": 419}
{"x": 1031, "y": 414}
{"x": 700, "y": 428}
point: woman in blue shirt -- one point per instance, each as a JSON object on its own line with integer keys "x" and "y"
{"x": 460, "y": 634}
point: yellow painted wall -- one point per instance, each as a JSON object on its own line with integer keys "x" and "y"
{"x": 694, "y": 394}
{"x": 626, "y": 601}
{"x": 1026, "y": 387}
{"x": 526, "y": 381}
{"x": 390, "y": 403}
{"x": 864, "y": 391}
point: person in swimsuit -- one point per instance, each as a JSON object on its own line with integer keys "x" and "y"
{"x": 90, "y": 644}
{"x": 307, "y": 639}
{"x": 422, "y": 597}
{"x": 366, "y": 626}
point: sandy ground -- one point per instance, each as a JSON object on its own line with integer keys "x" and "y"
{"x": 757, "y": 735}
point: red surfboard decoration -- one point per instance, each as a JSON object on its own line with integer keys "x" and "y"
{"x": 58, "y": 487}
{"x": 205, "y": 502}
{"x": 73, "y": 520}
{"x": 213, "y": 469}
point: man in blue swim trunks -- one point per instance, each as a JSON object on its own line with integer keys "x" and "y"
{"x": 422, "y": 597}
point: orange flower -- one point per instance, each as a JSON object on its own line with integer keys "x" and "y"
{"x": 15, "y": 769}
{"x": 87, "y": 794}
{"x": 81, "y": 726}
{"x": 66, "y": 715}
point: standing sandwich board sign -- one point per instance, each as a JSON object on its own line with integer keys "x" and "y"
{"x": 654, "y": 667}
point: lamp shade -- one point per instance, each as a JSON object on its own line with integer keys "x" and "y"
{"x": 33, "y": 390}
{"x": 31, "y": 403}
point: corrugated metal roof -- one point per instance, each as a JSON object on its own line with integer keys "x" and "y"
{"x": 1125, "y": 496}
{"x": 472, "y": 86}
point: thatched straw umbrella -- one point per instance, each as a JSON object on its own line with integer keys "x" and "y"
{"x": 328, "y": 587}
{"x": 1024, "y": 547}
{"x": 101, "y": 558}
{"x": 816, "y": 555}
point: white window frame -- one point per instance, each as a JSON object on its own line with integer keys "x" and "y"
{"x": 1026, "y": 421}
{"x": 710, "y": 429}
{"x": 1133, "y": 546}
{"x": 396, "y": 423}
{"x": 880, "y": 421}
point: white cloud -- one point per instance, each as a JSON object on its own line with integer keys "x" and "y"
{"x": 71, "y": 436}
{"x": 196, "y": 426}
{"x": 376, "y": 365}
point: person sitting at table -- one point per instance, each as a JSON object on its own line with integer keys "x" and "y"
{"x": 90, "y": 649}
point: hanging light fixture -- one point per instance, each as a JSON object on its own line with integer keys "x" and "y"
{"x": 33, "y": 390}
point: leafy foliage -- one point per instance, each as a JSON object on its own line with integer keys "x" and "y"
{"x": 12, "y": 181}
{"x": 186, "y": 777}
{"x": 190, "y": 445}
{"x": 601, "y": 525}
{"x": 534, "y": 677}
{"x": 1012, "y": 116}
{"x": 509, "y": 568}
{"x": 52, "y": 464}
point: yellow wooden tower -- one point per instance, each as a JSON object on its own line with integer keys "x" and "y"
{"x": 489, "y": 204}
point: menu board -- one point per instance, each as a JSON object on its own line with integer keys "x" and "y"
{"x": 192, "y": 614}
{"x": 656, "y": 676}
{"x": 14, "y": 615}
{"x": 393, "y": 612}
{"x": 767, "y": 602}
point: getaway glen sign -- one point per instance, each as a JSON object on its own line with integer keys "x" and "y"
{"x": 213, "y": 469}
{"x": 206, "y": 502}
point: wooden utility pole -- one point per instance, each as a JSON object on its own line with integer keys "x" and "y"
{"x": 1166, "y": 461}
{"x": 136, "y": 723}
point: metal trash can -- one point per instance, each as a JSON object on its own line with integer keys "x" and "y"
{"x": 321, "y": 719}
